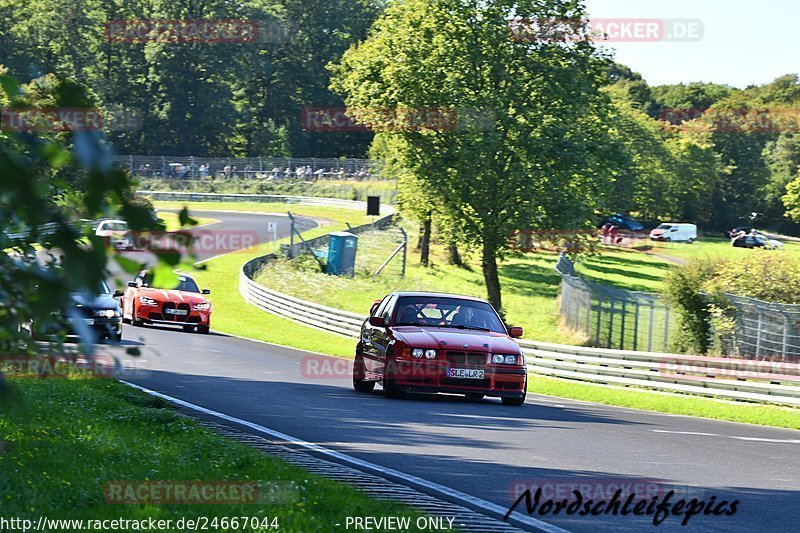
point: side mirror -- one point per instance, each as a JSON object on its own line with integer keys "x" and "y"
{"x": 377, "y": 322}
{"x": 132, "y": 284}
{"x": 118, "y": 293}
{"x": 206, "y": 291}
{"x": 375, "y": 305}
{"x": 515, "y": 332}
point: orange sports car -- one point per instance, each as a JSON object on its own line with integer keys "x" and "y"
{"x": 180, "y": 305}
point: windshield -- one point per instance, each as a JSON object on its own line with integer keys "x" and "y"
{"x": 185, "y": 283}
{"x": 114, "y": 226}
{"x": 665, "y": 226}
{"x": 446, "y": 312}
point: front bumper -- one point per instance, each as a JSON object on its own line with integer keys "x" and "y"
{"x": 103, "y": 328}
{"x": 160, "y": 315}
{"x": 428, "y": 376}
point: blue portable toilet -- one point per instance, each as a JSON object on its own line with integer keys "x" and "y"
{"x": 342, "y": 254}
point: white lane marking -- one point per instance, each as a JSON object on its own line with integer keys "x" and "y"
{"x": 755, "y": 439}
{"x": 687, "y": 433}
{"x": 364, "y": 465}
{"x": 760, "y": 439}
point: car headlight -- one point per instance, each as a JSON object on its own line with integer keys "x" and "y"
{"x": 417, "y": 352}
{"x": 430, "y": 354}
{"x": 498, "y": 359}
{"x": 148, "y": 301}
{"x": 508, "y": 359}
{"x": 202, "y": 306}
{"x": 511, "y": 360}
{"x": 106, "y": 313}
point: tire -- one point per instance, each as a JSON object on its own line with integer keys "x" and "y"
{"x": 359, "y": 384}
{"x": 390, "y": 390}
{"x": 203, "y": 329}
{"x": 475, "y": 396}
{"x": 115, "y": 337}
{"x": 514, "y": 401}
{"x": 188, "y": 329}
{"x": 667, "y": 239}
{"x": 691, "y": 241}
{"x": 135, "y": 320}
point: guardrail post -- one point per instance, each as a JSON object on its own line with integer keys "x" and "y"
{"x": 636, "y": 327}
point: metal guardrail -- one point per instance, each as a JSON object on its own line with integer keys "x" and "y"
{"x": 739, "y": 379}
{"x": 172, "y": 196}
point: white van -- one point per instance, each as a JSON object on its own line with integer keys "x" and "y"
{"x": 675, "y": 232}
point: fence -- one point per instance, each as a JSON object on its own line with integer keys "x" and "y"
{"x": 275, "y": 168}
{"x": 758, "y": 381}
{"x": 766, "y": 329}
{"x": 613, "y": 318}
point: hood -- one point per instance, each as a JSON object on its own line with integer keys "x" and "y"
{"x": 95, "y": 301}
{"x": 455, "y": 339}
{"x": 163, "y": 295}
{"x": 658, "y": 232}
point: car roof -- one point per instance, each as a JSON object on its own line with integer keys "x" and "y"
{"x": 440, "y": 295}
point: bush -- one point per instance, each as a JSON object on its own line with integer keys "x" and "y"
{"x": 683, "y": 291}
{"x": 697, "y": 292}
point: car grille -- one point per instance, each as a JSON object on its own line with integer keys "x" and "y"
{"x": 466, "y": 358}
{"x": 170, "y": 316}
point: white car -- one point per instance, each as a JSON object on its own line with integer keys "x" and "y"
{"x": 675, "y": 232}
{"x": 116, "y": 232}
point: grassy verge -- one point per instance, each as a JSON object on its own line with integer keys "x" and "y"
{"x": 530, "y": 283}
{"x": 69, "y": 438}
{"x": 233, "y": 315}
{"x": 172, "y": 222}
{"x": 716, "y": 248}
{"x": 329, "y": 188}
{"x": 764, "y": 415}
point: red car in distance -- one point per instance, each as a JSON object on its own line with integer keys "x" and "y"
{"x": 432, "y": 342}
{"x": 182, "y": 304}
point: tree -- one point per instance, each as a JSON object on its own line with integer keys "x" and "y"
{"x": 506, "y": 132}
{"x": 792, "y": 200}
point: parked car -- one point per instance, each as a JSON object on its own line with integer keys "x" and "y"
{"x": 675, "y": 232}
{"x": 756, "y": 240}
{"x": 431, "y": 342}
{"x": 116, "y": 232}
{"x": 625, "y": 222}
{"x": 180, "y": 305}
{"x": 736, "y": 231}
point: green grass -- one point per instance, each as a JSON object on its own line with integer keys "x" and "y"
{"x": 333, "y": 188}
{"x": 355, "y": 218}
{"x": 172, "y": 223}
{"x": 233, "y": 315}
{"x": 530, "y": 283}
{"x": 765, "y": 415}
{"x": 709, "y": 247}
{"x": 70, "y": 437}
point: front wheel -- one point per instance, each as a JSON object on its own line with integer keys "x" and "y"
{"x": 188, "y": 329}
{"x": 360, "y": 384}
{"x": 390, "y": 388}
{"x": 203, "y": 329}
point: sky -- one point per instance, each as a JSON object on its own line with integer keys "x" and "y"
{"x": 744, "y": 42}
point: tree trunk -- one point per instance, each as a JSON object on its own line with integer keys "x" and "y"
{"x": 489, "y": 265}
{"x": 454, "y": 257}
{"x": 425, "y": 241}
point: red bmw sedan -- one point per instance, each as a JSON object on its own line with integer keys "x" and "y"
{"x": 431, "y": 342}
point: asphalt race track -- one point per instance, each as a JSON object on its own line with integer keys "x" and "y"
{"x": 482, "y": 448}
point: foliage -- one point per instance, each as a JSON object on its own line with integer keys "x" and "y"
{"x": 217, "y": 98}
{"x": 683, "y": 292}
{"x": 765, "y": 275}
{"x": 50, "y": 178}
{"x": 792, "y": 199}
{"x": 527, "y": 150}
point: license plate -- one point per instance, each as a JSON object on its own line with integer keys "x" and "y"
{"x": 176, "y": 311}
{"x": 465, "y": 373}
{"x": 87, "y": 321}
